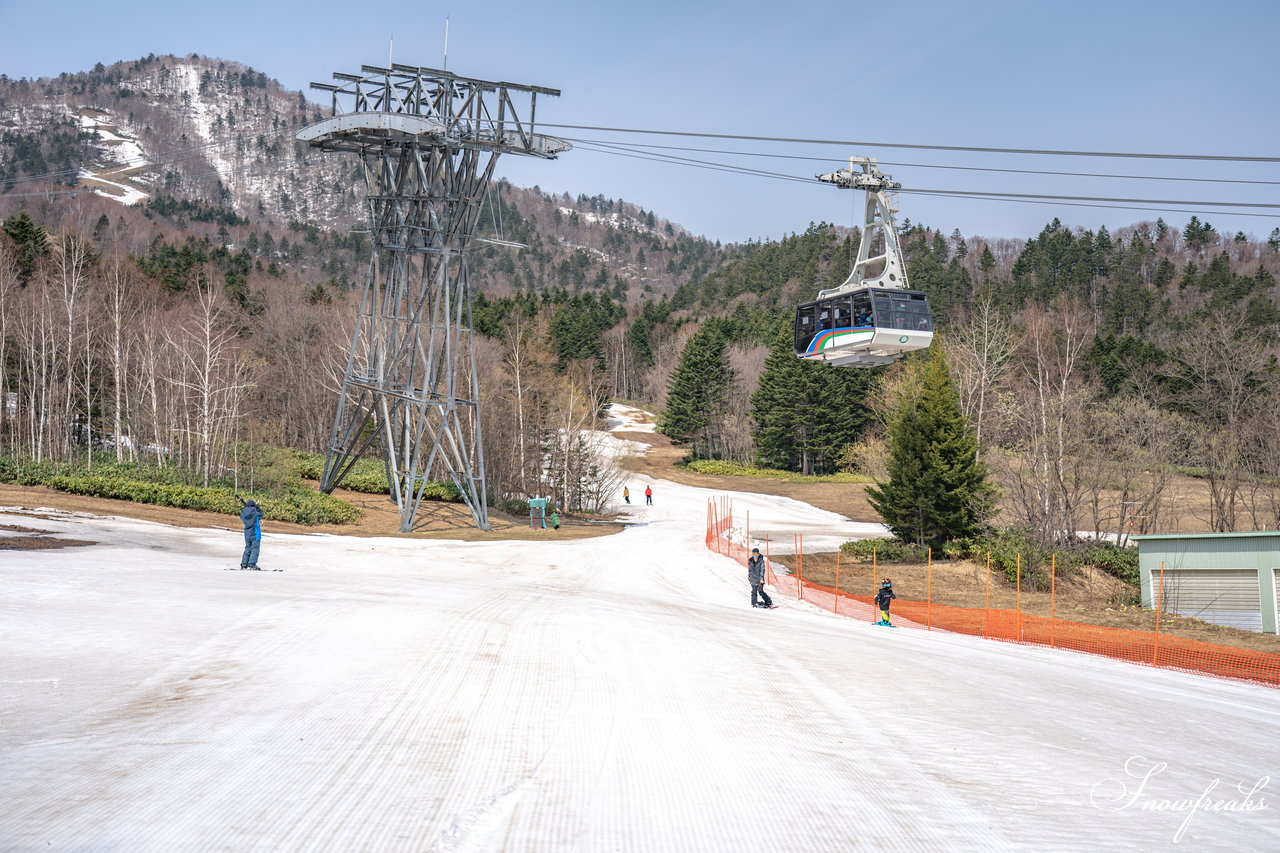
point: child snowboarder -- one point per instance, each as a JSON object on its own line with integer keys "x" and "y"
{"x": 883, "y": 597}
{"x": 755, "y": 576}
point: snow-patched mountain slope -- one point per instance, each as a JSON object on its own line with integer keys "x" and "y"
{"x": 605, "y": 694}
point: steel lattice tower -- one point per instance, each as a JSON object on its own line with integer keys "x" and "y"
{"x": 428, "y": 141}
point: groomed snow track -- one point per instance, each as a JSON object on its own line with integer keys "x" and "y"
{"x": 605, "y": 694}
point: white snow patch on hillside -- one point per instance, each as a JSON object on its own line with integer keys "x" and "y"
{"x": 122, "y": 153}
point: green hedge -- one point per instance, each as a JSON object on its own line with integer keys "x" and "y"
{"x": 369, "y": 476}
{"x": 888, "y": 550}
{"x": 1014, "y": 552}
{"x": 164, "y": 487}
{"x": 737, "y": 469}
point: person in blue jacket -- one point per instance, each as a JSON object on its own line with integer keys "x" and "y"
{"x": 251, "y": 517}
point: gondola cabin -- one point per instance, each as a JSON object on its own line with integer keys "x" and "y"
{"x": 863, "y": 328}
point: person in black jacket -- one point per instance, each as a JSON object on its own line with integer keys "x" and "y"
{"x": 755, "y": 575}
{"x": 883, "y": 597}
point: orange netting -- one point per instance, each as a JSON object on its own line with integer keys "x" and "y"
{"x": 1149, "y": 648}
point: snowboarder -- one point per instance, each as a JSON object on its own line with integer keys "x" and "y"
{"x": 755, "y": 576}
{"x": 251, "y": 517}
{"x": 648, "y": 495}
{"x": 555, "y": 520}
{"x": 883, "y": 597}
{"x": 626, "y": 494}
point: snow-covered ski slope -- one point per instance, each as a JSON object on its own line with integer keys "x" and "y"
{"x": 607, "y": 694}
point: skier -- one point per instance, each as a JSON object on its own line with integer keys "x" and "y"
{"x": 626, "y": 494}
{"x": 883, "y": 597}
{"x": 251, "y": 517}
{"x": 648, "y": 495}
{"x": 755, "y": 576}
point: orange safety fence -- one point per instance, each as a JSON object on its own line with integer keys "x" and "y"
{"x": 1150, "y": 648}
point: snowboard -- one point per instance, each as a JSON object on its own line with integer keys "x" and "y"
{"x": 239, "y": 569}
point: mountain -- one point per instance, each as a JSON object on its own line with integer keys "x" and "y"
{"x": 192, "y": 139}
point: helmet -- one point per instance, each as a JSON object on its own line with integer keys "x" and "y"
{"x": 886, "y": 582}
{"x": 755, "y": 550}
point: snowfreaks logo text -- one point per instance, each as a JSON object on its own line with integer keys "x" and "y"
{"x": 1135, "y": 792}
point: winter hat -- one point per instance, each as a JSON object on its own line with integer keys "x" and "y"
{"x": 251, "y": 502}
{"x": 755, "y": 550}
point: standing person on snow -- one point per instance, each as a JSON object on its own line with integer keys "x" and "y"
{"x": 755, "y": 575}
{"x": 626, "y": 494}
{"x": 883, "y": 597}
{"x": 251, "y": 517}
{"x": 648, "y": 494}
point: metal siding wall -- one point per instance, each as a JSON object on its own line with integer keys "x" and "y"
{"x": 1222, "y": 596}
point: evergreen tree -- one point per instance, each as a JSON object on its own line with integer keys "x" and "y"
{"x": 937, "y": 488}
{"x": 31, "y": 243}
{"x": 804, "y": 413}
{"x": 986, "y": 262}
{"x": 698, "y": 390}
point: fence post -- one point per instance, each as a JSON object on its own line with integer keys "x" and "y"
{"x": 1018, "y": 597}
{"x": 1053, "y": 595}
{"x": 747, "y": 546}
{"x": 986, "y": 614}
{"x": 875, "y": 573}
{"x": 800, "y": 566}
{"x": 837, "y": 607}
{"x": 768, "y": 564}
{"x": 1155, "y": 647}
{"x": 928, "y": 607}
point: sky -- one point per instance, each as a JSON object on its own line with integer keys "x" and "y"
{"x": 1130, "y": 77}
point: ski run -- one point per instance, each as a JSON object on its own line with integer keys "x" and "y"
{"x": 608, "y": 694}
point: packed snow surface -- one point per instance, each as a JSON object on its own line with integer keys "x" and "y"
{"x": 615, "y": 693}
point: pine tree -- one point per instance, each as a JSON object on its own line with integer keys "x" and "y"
{"x": 31, "y": 243}
{"x": 937, "y": 488}
{"x": 698, "y": 390}
{"x": 805, "y": 413}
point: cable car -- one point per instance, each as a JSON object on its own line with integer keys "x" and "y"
{"x": 874, "y": 317}
{"x": 865, "y": 327}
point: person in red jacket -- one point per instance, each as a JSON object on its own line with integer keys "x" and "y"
{"x": 648, "y": 495}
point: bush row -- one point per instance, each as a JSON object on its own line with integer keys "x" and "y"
{"x": 1013, "y": 552}
{"x": 162, "y": 488}
{"x": 737, "y": 469}
{"x": 369, "y": 476}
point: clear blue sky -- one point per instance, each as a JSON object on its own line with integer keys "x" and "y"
{"x": 1174, "y": 77}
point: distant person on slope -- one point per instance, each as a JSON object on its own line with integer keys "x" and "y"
{"x": 883, "y": 597}
{"x": 626, "y": 494}
{"x": 251, "y": 517}
{"x": 755, "y": 576}
{"x": 648, "y": 495}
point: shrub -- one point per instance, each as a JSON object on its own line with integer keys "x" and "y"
{"x": 886, "y": 550}
{"x": 725, "y": 467}
{"x": 514, "y": 506}
{"x": 1112, "y": 559}
{"x": 369, "y": 476}
{"x": 164, "y": 487}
